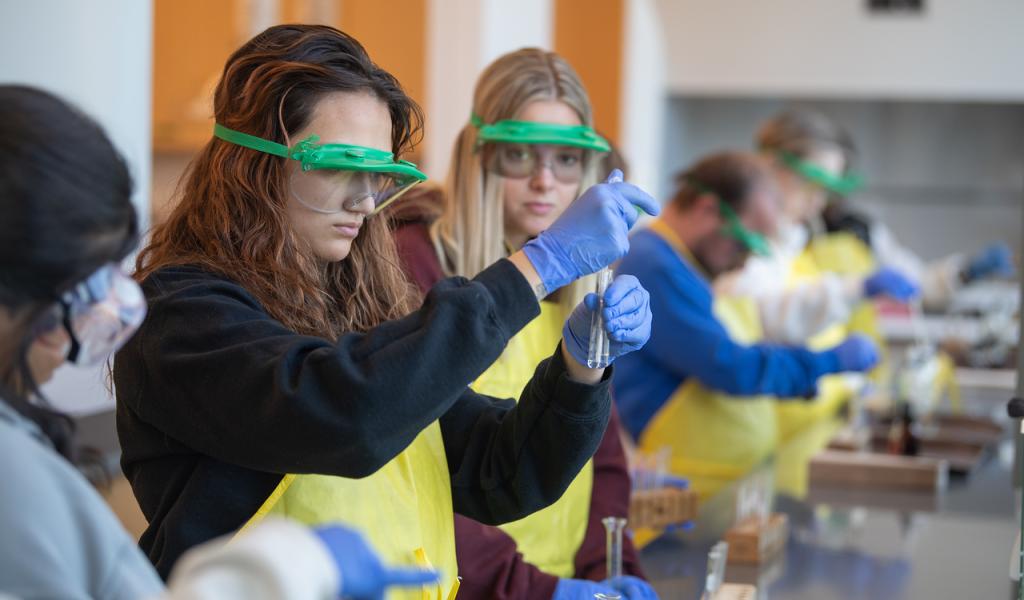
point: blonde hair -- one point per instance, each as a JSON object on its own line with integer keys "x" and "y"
{"x": 470, "y": 234}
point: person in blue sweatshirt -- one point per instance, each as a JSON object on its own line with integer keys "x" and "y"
{"x": 705, "y": 385}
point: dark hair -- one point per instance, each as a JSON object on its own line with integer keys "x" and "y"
{"x": 731, "y": 176}
{"x": 65, "y": 197}
{"x": 232, "y": 219}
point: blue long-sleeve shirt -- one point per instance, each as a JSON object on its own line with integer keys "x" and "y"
{"x": 688, "y": 341}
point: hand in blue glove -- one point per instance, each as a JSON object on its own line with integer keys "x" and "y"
{"x": 994, "y": 261}
{"x": 632, "y": 588}
{"x": 591, "y": 234}
{"x": 363, "y": 576}
{"x": 581, "y": 589}
{"x": 627, "y": 319}
{"x": 892, "y": 283}
{"x": 856, "y": 353}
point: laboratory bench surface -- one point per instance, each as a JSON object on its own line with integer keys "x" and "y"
{"x": 856, "y": 545}
{"x": 842, "y": 544}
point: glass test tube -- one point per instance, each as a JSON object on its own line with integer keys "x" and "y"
{"x": 598, "y": 352}
{"x": 613, "y": 527}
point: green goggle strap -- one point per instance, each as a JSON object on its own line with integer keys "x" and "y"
{"x": 840, "y": 184}
{"x": 325, "y": 156}
{"x": 755, "y": 242}
{"x": 531, "y": 132}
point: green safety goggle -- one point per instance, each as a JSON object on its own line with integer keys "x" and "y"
{"x": 839, "y": 184}
{"x": 752, "y": 241}
{"x": 339, "y": 175}
{"x": 533, "y": 133}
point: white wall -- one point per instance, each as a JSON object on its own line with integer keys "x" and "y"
{"x": 98, "y": 55}
{"x": 960, "y": 49}
{"x": 945, "y": 176}
{"x": 643, "y": 93}
{"x": 463, "y": 37}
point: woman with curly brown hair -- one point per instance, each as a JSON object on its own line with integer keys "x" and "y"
{"x": 282, "y": 371}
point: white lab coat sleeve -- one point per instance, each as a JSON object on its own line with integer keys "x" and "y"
{"x": 939, "y": 279}
{"x": 792, "y": 315}
{"x": 274, "y": 559}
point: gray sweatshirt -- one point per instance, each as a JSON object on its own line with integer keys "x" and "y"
{"x": 58, "y": 539}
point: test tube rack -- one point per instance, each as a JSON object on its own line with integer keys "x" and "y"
{"x": 658, "y": 508}
{"x": 878, "y": 471}
{"x": 755, "y": 540}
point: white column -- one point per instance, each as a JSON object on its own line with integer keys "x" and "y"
{"x": 98, "y": 55}
{"x": 644, "y": 93}
{"x": 463, "y": 36}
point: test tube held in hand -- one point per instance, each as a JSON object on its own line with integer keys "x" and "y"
{"x": 598, "y": 352}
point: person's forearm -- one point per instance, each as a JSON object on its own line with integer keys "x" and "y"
{"x": 499, "y": 452}
{"x": 285, "y": 400}
{"x": 577, "y": 371}
{"x": 526, "y": 267}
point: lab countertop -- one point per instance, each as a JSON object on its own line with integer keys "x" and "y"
{"x": 852, "y": 545}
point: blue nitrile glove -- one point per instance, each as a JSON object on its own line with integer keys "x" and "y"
{"x": 363, "y": 576}
{"x": 591, "y": 234}
{"x": 580, "y": 589}
{"x": 994, "y": 261}
{"x": 856, "y": 353}
{"x": 627, "y": 319}
{"x": 891, "y": 283}
{"x": 632, "y": 588}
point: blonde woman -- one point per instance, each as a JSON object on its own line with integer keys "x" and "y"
{"x": 525, "y": 155}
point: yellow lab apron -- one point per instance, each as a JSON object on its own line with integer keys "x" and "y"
{"x": 549, "y": 538}
{"x": 714, "y": 438}
{"x": 404, "y": 510}
{"x": 845, "y": 254}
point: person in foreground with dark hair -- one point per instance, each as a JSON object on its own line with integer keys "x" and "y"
{"x": 283, "y": 370}
{"x": 67, "y": 221}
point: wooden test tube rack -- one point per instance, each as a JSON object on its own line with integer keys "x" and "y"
{"x": 753, "y": 541}
{"x": 735, "y": 591}
{"x": 878, "y": 471}
{"x": 661, "y": 507}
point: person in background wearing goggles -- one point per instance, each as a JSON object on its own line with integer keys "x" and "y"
{"x": 68, "y": 220}
{"x": 705, "y": 386}
{"x": 797, "y": 297}
{"x": 284, "y": 368}
{"x": 815, "y": 153}
{"x": 526, "y": 155}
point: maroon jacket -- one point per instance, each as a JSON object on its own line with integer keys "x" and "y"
{"x": 488, "y": 555}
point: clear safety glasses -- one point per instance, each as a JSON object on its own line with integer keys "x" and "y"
{"x": 336, "y": 177}
{"x": 516, "y": 149}
{"x": 518, "y": 161}
{"x": 100, "y": 314}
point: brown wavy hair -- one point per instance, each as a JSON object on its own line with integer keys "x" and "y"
{"x": 231, "y": 219}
